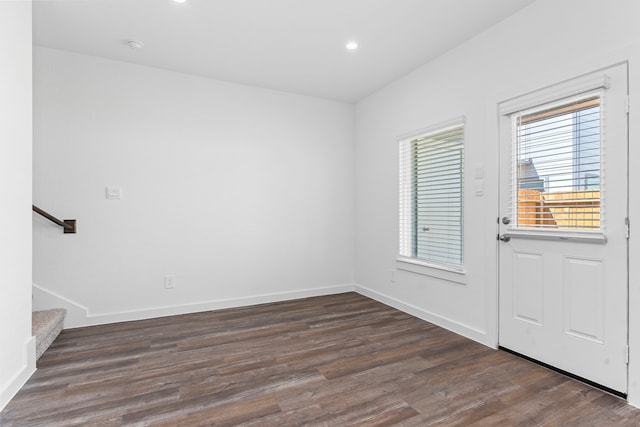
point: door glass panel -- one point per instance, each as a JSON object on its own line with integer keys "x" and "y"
{"x": 558, "y": 166}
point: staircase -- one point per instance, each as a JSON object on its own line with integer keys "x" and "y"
{"x": 46, "y": 325}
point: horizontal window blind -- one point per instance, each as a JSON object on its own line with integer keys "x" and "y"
{"x": 431, "y": 196}
{"x": 557, "y": 166}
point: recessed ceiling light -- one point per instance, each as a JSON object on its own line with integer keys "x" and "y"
{"x": 352, "y": 45}
{"x": 179, "y": 1}
{"x": 135, "y": 44}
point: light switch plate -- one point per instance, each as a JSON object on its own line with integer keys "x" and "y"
{"x": 478, "y": 187}
{"x": 478, "y": 171}
{"x": 114, "y": 193}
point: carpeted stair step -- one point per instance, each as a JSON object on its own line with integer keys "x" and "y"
{"x": 46, "y": 325}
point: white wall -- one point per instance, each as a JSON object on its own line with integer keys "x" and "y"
{"x": 245, "y": 195}
{"x": 17, "y": 351}
{"x": 546, "y": 43}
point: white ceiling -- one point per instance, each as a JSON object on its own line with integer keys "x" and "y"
{"x": 290, "y": 45}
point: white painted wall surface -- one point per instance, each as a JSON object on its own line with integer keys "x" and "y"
{"x": 17, "y": 351}
{"x": 245, "y": 195}
{"x": 546, "y": 43}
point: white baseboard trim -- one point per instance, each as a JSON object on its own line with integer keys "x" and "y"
{"x": 44, "y": 299}
{"x": 16, "y": 383}
{"x": 80, "y": 316}
{"x": 449, "y": 324}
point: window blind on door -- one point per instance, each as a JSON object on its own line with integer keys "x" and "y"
{"x": 431, "y": 196}
{"x": 557, "y": 165}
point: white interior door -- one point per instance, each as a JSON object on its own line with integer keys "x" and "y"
{"x": 563, "y": 230}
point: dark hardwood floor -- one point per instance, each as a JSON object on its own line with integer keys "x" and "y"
{"x": 329, "y": 361}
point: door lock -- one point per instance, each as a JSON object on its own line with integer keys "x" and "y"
{"x": 506, "y": 220}
{"x": 504, "y": 237}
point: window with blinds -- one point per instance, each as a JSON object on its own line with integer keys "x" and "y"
{"x": 431, "y": 196}
{"x": 557, "y": 165}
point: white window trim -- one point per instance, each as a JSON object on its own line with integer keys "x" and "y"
{"x": 594, "y": 82}
{"x": 451, "y": 273}
{"x": 556, "y": 92}
{"x": 439, "y": 271}
{"x": 460, "y": 120}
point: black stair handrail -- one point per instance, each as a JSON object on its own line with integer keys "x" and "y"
{"x": 68, "y": 225}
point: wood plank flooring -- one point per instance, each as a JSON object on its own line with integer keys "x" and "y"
{"x": 327, "y": 361}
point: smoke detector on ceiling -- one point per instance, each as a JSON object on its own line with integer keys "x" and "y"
{"x": 135, "y": 44}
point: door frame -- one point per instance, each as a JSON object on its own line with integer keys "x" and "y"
{"x": 497, "y": 213}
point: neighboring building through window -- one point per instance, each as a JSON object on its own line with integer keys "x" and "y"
{"x": 431, "y": 196}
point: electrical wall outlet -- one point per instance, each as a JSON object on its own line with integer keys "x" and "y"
{"x": 169, "y": 282}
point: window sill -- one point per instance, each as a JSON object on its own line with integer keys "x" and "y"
{"x": 450, "y": 274}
